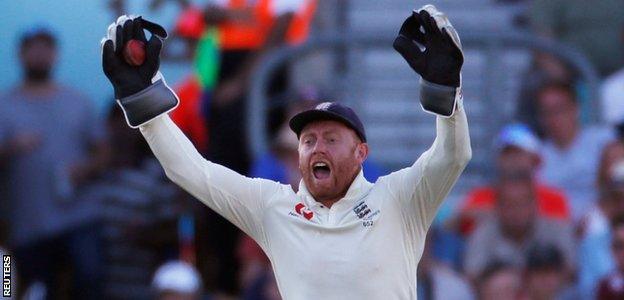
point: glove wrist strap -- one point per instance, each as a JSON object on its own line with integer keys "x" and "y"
{"x": 438, "y": 99}
{"x": 148, "y": 104}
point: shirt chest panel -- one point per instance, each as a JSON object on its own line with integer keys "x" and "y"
{"x": 367, "y": 244}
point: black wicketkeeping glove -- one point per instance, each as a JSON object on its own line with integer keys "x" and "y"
{"x": 140, "y": 90}
{"x": 436, "y": 55}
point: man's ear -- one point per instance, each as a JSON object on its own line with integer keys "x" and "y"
{"x": 361, "y": 152}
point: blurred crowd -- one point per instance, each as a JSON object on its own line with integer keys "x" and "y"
{"x": 87, "y": 212}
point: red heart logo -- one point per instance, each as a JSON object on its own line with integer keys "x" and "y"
{"x": 299, "y": 207}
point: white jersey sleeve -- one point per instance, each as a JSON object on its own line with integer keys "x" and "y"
{"x": 421, "y": 188}
{"x": 239, "y": 199}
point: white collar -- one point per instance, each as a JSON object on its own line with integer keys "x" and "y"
{"x": 359, "y": 187}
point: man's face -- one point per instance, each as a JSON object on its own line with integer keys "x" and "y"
{"x": 516, "y": 162}
{"x": 503, "y": 285}
{"x": 558, "y": 113}
{"x": 330, "y": 156}
{"x": 617, "y": 246}
{"x": 38, "y": 58}
{"x": 615, "y": 201}
{"x": 545, "y": 283}
{"x": 515, "y": 206}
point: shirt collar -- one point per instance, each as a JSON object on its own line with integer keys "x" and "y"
{"x": 359, "y": 187}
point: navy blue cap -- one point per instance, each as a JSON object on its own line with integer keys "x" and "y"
{"x": 328, "y": 111}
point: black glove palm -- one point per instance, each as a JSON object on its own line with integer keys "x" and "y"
{"x": 441, "y": 60}
{"x": 126, "y": 79}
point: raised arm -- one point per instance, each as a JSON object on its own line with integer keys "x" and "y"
{"x": 422, "y": 187}
{"x": 145, "y": 99}
{"x": 239, "y": 199}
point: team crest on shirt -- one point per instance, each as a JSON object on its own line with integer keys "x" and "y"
{"x": 361, "y": 210}
{"x": 364, "y": 213}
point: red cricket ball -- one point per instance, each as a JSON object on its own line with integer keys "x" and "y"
{"x": 134, "y": 52}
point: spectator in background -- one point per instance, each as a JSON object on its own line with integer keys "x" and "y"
{"x": 514, "y": 229}
{"x": 595, "y": 260}
{"x": 545, "y": 275}
{"x": 568, "y": 144}
{"x": 611, "y": 155}
{"x": 518, "y": 159}
{"x": 247, "y": 31}
{"x": 195, "y": 44}
{"x": 282, "y": 162}
{"x": 612, "y": 285}
{"x": 139, "y": 208}
{"x": 177, "y": 280}
{"x": 499, "y": 281}
{"x": 593, "y": 27}
{"x": 52, "y": 143}
{"x": 612, "y": 94}
{"x": 437, "y": 281}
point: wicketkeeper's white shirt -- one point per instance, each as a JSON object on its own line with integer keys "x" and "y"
{"x": 367, "y": 246}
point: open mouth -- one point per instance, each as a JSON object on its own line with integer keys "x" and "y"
{"x": 321, "y": 170}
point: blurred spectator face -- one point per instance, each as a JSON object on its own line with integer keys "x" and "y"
{"x": 171, "y": 295}
{"x": 340, "y": 150}
{"x": 558, "y": 113}
{"x": 617, "y": 246}
{"x": 545, "y": 283}
{"x": 515, "y": 207}
{"x": 177, "y": 280}
{"x": 518, "y": 152}
{"x": 516, "y": 163}
{"x": 503, "y": 284}
{"x": 612, "y": 153}
{"x": 613, "y": 204}
{"x": 616, "y": 201}
{"x": 545, "y": 272}
{"x": 37, "y": 56}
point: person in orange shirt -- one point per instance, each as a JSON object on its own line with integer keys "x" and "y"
{"x": 247, "y": 31}
{"x": 518, "y": 159}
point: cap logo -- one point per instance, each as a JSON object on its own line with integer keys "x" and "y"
{"x": 324, "y": 106}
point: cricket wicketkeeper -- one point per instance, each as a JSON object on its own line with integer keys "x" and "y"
{"x": 339, "y": 236}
